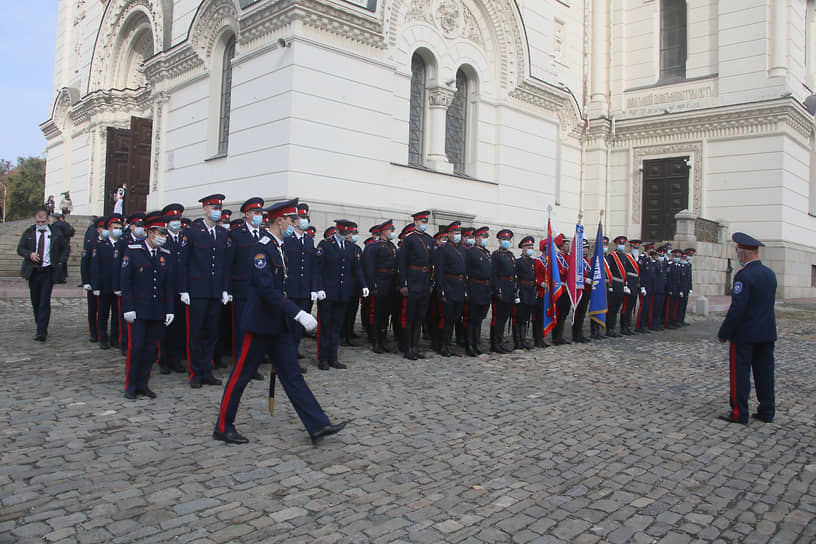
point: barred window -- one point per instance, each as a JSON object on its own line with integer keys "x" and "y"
{"x": 673, "y": 39}
{"x": 226, "y": 96}
{"x": 456, "y": 125}
{"x": 416, "y": 122}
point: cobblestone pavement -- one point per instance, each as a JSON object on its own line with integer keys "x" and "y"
{"x": 613, "y": 441}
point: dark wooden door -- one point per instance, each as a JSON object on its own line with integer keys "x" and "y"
{"x": 665, "y": 192}
{"x": 139, "y": 165}
{"x": 116, "y": 164}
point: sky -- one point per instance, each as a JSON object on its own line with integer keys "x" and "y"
{"x": 28, "y": 32}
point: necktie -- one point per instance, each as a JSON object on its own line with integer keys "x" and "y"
{"x": 212, "y": 232}
{"x": 255, "y": 235}
{"x": 41, "y": 247}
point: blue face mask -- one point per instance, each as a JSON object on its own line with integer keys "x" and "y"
{"x": 116, "y": 233}
{"x": 138, "y": 232}
{"x": 392, "y": 235}
{"x": 257, "y": 220}
{"x": 355, "y": 237}
{"x": 175, "y": 226}
{"x": 215, "y": 215}
{"x": 676, "y": 259}
{"x": 483, "y": 242}
{"x": 288, "y": 231}
{"x": 105, "y": 233}
{"x": 528, "y": 252}
{"x": 457, "y": 238}
{"x": 470, "y": 241}
{"x": 422, "y": 227}
{"x": 505, "y": 244}
{"x": 622, "y": 247}
{"x": 303, "y": 224}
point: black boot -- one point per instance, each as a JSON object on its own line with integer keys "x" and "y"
{"x": 477, "y": 339}
{"x": 470, "y": 340}
{"x": 500, "y": 341}
{"x": 444, "y": 341}
{"x": 415, "y": 342}
{"x": 524, "y": 342}
{"x": 517, "y": 343}
{"x": 494, "y": 347}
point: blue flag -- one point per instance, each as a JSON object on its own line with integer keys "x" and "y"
{"x": 597, "y": 300}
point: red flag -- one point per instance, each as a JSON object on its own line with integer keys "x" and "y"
{"x": 572, "y": 285}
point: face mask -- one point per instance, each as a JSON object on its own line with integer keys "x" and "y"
{"x": 354, "y": 238}
{"x": 676, "y": 259}
{"x": 159, "y": 241}
{"x": 257, "y": 220}
{"x": 635, "y": 253}
{"x": 215, "y": 216}
{"x": 138, "y": 232}
{"x": 470, "y": 241}
{"x": 606, "y": 249}
{"x": 42, "y": 228}
{"x": 116, "y": 233}
{"x": 175, "y": 226}
{"x": 528, "y": 252}
{"x": 105, "y": 233}
{"x": 483, "y": 242}
{"x": 303, "y": 224}
{"x": 288, "y": 231}
{"x": 392, "y": 235}
{"x": 422, "y": 227}
{"x": 621, "y": 248}
{"x": 457, "y": 238}
{"x": 505, "y": 244}
{"x": 689, "y": 259}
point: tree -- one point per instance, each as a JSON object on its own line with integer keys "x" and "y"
{"x": 26, "y": 185}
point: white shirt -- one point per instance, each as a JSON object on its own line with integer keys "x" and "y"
{"x": 47, "y": 249}
{"x": 253, "y": 230}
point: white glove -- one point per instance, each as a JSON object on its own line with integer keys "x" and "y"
{"x": 321, "y": 295}
{"x": 543, "y": 284}
{"x": 185, "y": 298}
{"x": 610, "y": 289}
{"x": 313, "y": 295}
{"x": 643, "y": 291}
{"x": 626, "y": 290}
{"x": 365, "y": 292}
{"x": 97, "y": 292}
{"x": 517, "y": 300}
{"x": 691, "y": 292}
{"x": 224, "y": 297}
{"x": 168, "y": 318}
{"x": 230, "y": 298}
{"x": 118, "y": 293}
{"x": 309, "y": 323}
{"x": 87, "y": 287}
{"x": 681, "y": 295}
{"x": 130, "y": 317}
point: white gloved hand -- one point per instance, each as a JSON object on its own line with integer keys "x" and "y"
{"x": 643, "y": 291}
{"x": 225, "y": 298}
{"x": 626, "y": 290}
{"x": 365, "y": 292}
{"x": 309, "y": 323}
{"x": 185, "y": 298}
{"x": 168, "y": 318}
{"x": 313, "y": 296}
{"x": 610, "y": 289}
{"x": 87, "y": 287}
{"x": 97, "y": 292}
{"x": 691, "y": 292}
{"x": 130, "y": 317}
{"x": 517, "y": 300}
{"x": 321, "y": 295}
{"x": 543, "y": 284}
{"x": 681, "y": 295}
{"x": 118, "y": 293}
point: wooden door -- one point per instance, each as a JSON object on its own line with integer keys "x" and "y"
{"x": 116, "y": 164}
{"x": 665, "y": 192}
{"x": 139, "y": 165}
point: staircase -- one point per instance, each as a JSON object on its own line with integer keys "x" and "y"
{"x": 10, "y": 236}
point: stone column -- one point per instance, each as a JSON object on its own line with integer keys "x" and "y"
{"x": 599, "y": 89}
{"x": 779, "y": 23}
{"x": 685, "y": 226}
{"x": 439, "y": 99}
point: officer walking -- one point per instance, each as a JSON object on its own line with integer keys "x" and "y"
{"x": 414, "y": 269}
{"x": 750, "y": 326}
{"x": 380, "y": 266}
{"x": 268, "y": 323}
{"x": 451, "y": 277}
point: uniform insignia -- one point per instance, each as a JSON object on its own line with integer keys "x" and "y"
{"x": 319, "y": 251}
{"x": 115, "y": 253}
{"x": 94, "y": 253}
{"x": 229, "y": 242}
{"x": 161, "y": 261}
{"x": 265, "y": 240}
{"x": 183, "y": 241}
{"x": 135, "y": 246}
{"x": 260, "y": 261}
{"x": 737, "y": 287}
{"x": 125, "y": 261}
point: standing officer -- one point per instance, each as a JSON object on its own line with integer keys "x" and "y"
{"x": 300, "y": 252}
{"x": 750, "y": 326}
{"x": 172, "y": 349}
{"x": 685, "y": 260}
{"x": 91, "y": 239}
{"x": 660, "y": 278}
{"x": 618, "y": 289}
{"x": 135, "y": 231}
{"x": 479, "y": 268}
{"x": 268, "y": 323}
{"x": 451, "y": 276}
{"x": 380, "y": 264}
{"x": 204, "y": 281}
{"x": 563, "y": 305}
{"x": 525, "y": 272}
{"x": 347, "y": 333}
{"x": 647, "y": 269}
{"x": 104, "y": 265}
{"x": 414, "y": 269}
{"x": 504, "y": 290}
{"x": 147, "y": 300}
{"x": 43, "y": 251}
{"x": 632, "y": 288}
{"x": 583, "y": 303}
{"x": 331, "y": 277}
{"x": 676, "y": 285}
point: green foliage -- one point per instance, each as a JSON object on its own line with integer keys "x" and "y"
{"x": 26, "y": 185}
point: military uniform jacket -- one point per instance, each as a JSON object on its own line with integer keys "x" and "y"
{"x": 147, "y": 284}
{"x": 451, "y": 272}
{"x": 332, "y": 270}
{"x": 632, "y": 272}
{"x": 646, "y": 270}
{"x": 300, "y": 254}
{"x": 617, "y": 265}
{"x": 203, "y": 270}
{"x": 676, "y": 281}
{"x": 380, "y": 266}
{"x": 357, "y": 274}
{"x": 102, "y": 265}
{"x": 173, "y": 245}
{"x": 750, "y": 318}
{"x": 525, "y": 272}
{"x": 504, "y": 275}
{"x": 120, "y": 248}
{"x": 268, "y": 311}
{"x": 660, "y": 277}
{"x": 239, "y": 260}
{"x": 414, "y": 262}
{"x": 687, "y": 277}
{"x": 479, "y": 268}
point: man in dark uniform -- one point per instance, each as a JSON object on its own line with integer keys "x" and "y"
{"x": 646, "y": 267}
{"x": 632, "y": 288}
{"x": 43, "y": 250}
{"x": 618, "y": 289}
{"x": 399, "y": 310}
{"x": 450, "y": 284}
{"x": 505, "y": 290}
{"x": 91, "y": 238}
{"x": 479, "y": 288}
{"x": 331, "y": 278}
{"x": 685, "y": 260}
{"x": 268, "y": 321}
{"x": 380, "y": 267}
{"x": 300, "y": 252}
{"x": 347, "y": 333}
{"x": 660, "y": 282}
{"x": 525, "y": 272}
{"x": 586, "y": 293}
{"x": 750, "y": 326}
{"x": 67, "y": 231}
{"x": 226, "y": 218}
{"x": 172, "y": 348}
{"x": 104, "y": 257}
{"x": 135, "y": 231}
{"x": 414, "y": 269}
{"x": 433, "y": 319}
{"x": 676, "y": 284}
{"x": 147, "y": 302}
{"x": 204, "y": 281}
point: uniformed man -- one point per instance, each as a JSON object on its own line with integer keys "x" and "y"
{"x": 91, "y": 239}
{"x": 586, "y": 292}
{"x": 331, "y": 278}
{"x": 300, "y": 252}
{"x": 479, "y": 268}
{"x": 399, "y": 310}
{"x": 147, "y": 300}
{"x": 380, "y": 267}
{"x": 347, "y": 333}
{"x": 103, "y": 258}
{"x": 750, "y": 326}
{"x": 172, "y": 349}
{"x": 414, "y": 269}
{"x": 226, "y": 218}
{"x": 505, "y": 290}
{"x": 562, "y": 305}
{"x": 632, "y": 287}
{"x": 268, "y": 322}
{"x": 135, "y": 231}
{"x": 618, "y": 288}
{"x": 329, "y": 232}
{"x": 433, "y": 318}
{"x": 451, "y": 282}
{"x": 660, "y": 281}
{"x": 646, "y": 267}
{"x": 204, "y": 282}
{"x": 525, "y": 272}
{"x": 685, "y": 260}
{"x": 675, "y": 287}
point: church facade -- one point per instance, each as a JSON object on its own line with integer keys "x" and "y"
{"x": 487, "y": 111}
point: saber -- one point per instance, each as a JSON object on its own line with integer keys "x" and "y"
{"x": 272, "y": 392}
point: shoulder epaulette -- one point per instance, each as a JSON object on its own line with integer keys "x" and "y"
{"x": 135, "y": 246}
{"x": 265, "y": 240}
{"x": 164, "y": 250}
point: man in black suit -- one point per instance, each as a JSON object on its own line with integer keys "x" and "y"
{"x": 44, "y": 251}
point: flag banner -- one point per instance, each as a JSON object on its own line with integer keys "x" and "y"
{"x": 556, "y": 287}
{"x": 597, "y": 300}
{"x": 575, "y": 277}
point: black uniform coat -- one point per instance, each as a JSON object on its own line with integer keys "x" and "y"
{"x": 480, "y": 274}
{"x": 751, "y": 317}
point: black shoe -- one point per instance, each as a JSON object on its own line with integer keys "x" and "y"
{"x": 377, "y": 348}
{"x": 328, "y": 430}
{"x": 302, "y": 369}
{"x": 729, "y": 419}
{"x": 230, "y": 437}
{"x": 410, "y": 355}
{"x": 211, "y": 380}
{"x": 104, "y": 345}
{"x": 92, "y": 339}
{"x": 257, "y": 376}
{"x": 444, "y": 351}
{"x": 641, "y": 330}
{"x": 762, "y": 418}
{"x": 147, "y": 392}
{"x": 164, "y": 370}
{"x": 219, "y": 363}
{"x": 336, "y": 364}
{"x": 180, "y": 368}
{"x": 195, "y": 384}
{"x": 300, "y": 356}
{"x": 419, "y": 355}
{"x": 130, "y": 395}
{"x": 39, "y": 337}
{"x": 114, "y": 344}
{"x": 323, "y": 365}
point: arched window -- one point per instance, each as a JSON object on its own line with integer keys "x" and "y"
{"x": 416, "y": 121}
{"x": 456, "y": 125}
{"x": 672, "y": 39}
{"x": 226, "y": 96}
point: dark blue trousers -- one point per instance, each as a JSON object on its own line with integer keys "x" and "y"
{"x": 40, "y": 285}
{"x": 743, "y": 359}
{"x": 172, "y": 348}
{"x": 283, "y": 352}
{"x": 142, "y": 351}
{"x": 203, "y": 317}
{"x": 108, "y": 307}
{"x": 656, "y": 314}
{"x": 238, "y": 305}
{"x": 644, "y": 308}
{"x": 330, "y": 315}
{"x": 92, "y": 304}
{"x": 681, "y": 310}
{"x": 303, "y": 304}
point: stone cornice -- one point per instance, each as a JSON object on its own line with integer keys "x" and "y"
{"x": 112, "y": 101}
{"x": 172, "y": 64}
{"x": 553, "y": 100}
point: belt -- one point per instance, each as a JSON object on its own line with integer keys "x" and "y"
{"x": 457, "y": 276}
{"x": 525, "y": 282}
{"x": 483, "y": 282}
{"x": 505, "y": 278}
{"x": 420, "y": 268}
{"x": 42, "y": 268}
{"x": 389, "y": 270}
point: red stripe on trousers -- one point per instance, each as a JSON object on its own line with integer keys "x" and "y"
{"x": 404, "y": 312}
{"x": 465, "y": 315}
{"x": 493, "y": 319}
{"x": 88, "y": 299}
{"x": 236, "y": 373}
{"x": 651, "y": 307}
{"x": 232, "y": 323}
{"x": 640, "y": 312}
{"x": 127, "y": 360}
{"x": 732, "y": 360}
{"x": 187, "y": 335}
{"x": 674, "y": 312}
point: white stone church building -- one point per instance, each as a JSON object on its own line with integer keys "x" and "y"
{"x": 482, "y": 110}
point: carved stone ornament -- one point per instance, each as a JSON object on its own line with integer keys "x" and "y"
{"x": 440, "y": 96}
{"x": 449, "y": 17}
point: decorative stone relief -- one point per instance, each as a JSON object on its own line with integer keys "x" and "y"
{"x": 440, "y": 96}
